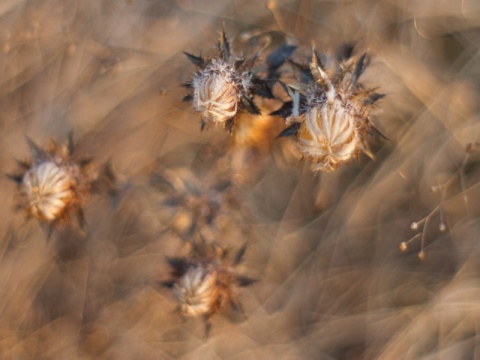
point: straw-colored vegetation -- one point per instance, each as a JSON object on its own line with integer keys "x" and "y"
{"x": 332, "y": 282}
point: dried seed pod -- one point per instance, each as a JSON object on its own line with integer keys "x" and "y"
{"x": 328, "y": 136}
{"x": 224, "y": 86}
{"x": 48, "y": 190}
{"x": 206, "y": 282}
{"x": 54, "y": 185}
{"x": 217, "y": 91}
{"x": 330, "y": 114}
{"x": 196, "y": 290}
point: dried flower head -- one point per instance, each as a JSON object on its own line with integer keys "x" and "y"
{"x": 206, "y": 282}
{"x": 196, "y": 290}
{"x": 329, "y": 113}
{"x": 203, "y": 197}
{"x": 48, "y": 190}
{"x": 54, "y": 185}
{"x": 224, "y": 86}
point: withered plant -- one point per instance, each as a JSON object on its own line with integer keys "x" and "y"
{"x": 206, "y": 281}
{"x": 225, "y": 85}
{"x": 54, "y": 185}
{"x": 329, "y": 113}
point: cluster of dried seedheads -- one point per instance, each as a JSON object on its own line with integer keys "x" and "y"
{"x": 326, "y": 112}
{"x": 202, "y": 206}
{"x": 422, "y": 224}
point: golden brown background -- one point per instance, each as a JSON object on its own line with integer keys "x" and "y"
{"x": 332, "y": 281}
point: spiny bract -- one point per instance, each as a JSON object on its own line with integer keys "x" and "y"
{"x": 329, "y": 114}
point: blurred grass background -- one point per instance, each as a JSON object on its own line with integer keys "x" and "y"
{"x": 333, "y": 283}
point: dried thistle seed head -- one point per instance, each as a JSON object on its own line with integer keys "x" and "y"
{"x": 327, "y": 136}
{"x": 206, "y": 282}
{"x": 196, "y": 291}
{"x": 330, "y": 114}
{"x": 224, "y": 86}
{"x": 217, "y": 91}
{"x": 53, "y": 185}
{"x": 48, "y": 190}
